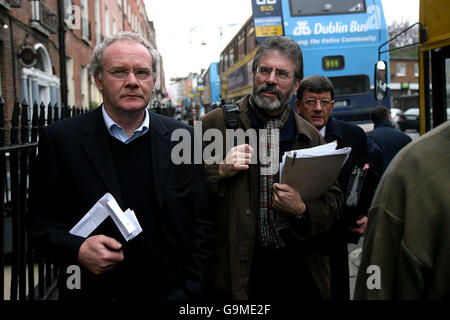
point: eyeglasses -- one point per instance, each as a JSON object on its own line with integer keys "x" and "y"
{"x": 312, "y": 102}
{"x": 122, "y": 74}
{"x": 280, "y": 74}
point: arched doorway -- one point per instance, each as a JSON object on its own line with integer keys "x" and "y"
{"x": 39, "y": 83}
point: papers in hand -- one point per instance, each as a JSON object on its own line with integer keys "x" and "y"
{"x": 126, "y": 222}
{"x": 313, "y": 171}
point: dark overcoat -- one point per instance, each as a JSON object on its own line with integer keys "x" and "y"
{"x": 75, "y": 169}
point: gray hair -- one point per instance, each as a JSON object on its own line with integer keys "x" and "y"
{"x": 286, "y": 46}
{"x": 96, "y": 65}
{"x": 315, "y": 84}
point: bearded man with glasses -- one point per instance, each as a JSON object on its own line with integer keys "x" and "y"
{"x": 315, "y": 102}
{"x": 269, "y": 239}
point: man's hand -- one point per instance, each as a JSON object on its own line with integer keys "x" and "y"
{"x": 361, "y": 229}
{"x": 286, "y": 199}
{"x": 237, "y": 159}
{"x": 100, "y": 253}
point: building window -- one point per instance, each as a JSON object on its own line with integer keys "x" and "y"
{"x": 97, "y": 22}
{"x": 416, "y": 69}
{"x": 70, "y": 82}
{"x": 84, "y": 81}
{"x": 85, "y": 23}
{"x": 107, "y": 32}
{"x": 401, "y": 70}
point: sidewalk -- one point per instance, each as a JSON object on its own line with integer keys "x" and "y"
{"x": 354, "y": 258}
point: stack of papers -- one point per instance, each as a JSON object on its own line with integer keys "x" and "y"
{"x": 314, "y": 170}
{"x": 126, "y": 222}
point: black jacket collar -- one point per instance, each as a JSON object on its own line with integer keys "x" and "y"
{"x": 383, "y": 123}
{"x": 333, "y": 130}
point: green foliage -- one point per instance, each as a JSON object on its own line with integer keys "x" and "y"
{"x": 403, "y": 39}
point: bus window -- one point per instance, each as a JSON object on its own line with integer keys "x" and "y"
{"x": 250, "y": 38}
{"x": 232, "y": 58}
{"x": 351, "y": 85}
{"x": 241, "y": 45}
{"x": 227, "y": 59}
{"x": 319, "y": 7}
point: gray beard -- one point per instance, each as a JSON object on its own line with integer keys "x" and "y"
{"x": 268, "y": 104}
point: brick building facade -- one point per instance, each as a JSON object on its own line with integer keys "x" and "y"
{"x": 404, "y": 75}
{"x": 30, "y": 28}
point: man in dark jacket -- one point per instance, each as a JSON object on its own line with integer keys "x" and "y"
{"x": 271, "y": 241}
{"x": 123, "y": 149}
{"x": 315, "y": 101}
{"x": 388, "y": 139}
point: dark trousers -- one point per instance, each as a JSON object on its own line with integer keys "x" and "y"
{"x": 339, "y": 271}
{"x": 280, "y": 275}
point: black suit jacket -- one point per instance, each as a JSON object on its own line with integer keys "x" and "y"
{"x": 390, "y": 141}
{"x": 347, "y": 135}
{"x": 75, "y": 168}
{"x": 350, "y": 135}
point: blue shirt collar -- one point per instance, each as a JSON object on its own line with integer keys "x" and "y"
{"x": 119, "y": 133}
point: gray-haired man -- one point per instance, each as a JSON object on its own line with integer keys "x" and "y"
{"x": 123, "y": 149}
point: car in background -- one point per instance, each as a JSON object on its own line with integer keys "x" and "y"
{"x": 409, "y": 120}
{"x": 395, "y": 114}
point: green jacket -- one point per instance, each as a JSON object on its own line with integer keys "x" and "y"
{"x": 236, "y": 207}
{"x": 408, "y": 234}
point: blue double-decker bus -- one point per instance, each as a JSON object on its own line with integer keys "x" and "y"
{"x": 339, "y": 39}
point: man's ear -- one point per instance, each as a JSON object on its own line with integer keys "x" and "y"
{"x": 297, "y": 105}
{"x": 297, "y": 84}
{"x": 98, "y": 82}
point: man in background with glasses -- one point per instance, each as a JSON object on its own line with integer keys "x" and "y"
{"x": 123, "y": 149}
{"x": 269, "y": 243}
{"x": 315, "y": 102}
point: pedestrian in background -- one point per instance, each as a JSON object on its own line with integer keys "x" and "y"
{"x": 387, "y": 138}
{"x": 315, "y": 102}
{"x": 406, "y": 251}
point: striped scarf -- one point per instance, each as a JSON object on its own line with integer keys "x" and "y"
{"x": 268, "y": 234}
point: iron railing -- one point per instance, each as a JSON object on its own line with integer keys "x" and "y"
{"x": 18, "y": 260}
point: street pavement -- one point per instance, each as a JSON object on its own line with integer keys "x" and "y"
{"x": 354, "y": 258}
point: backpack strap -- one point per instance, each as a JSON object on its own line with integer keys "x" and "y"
{"x": 230, "y": 115}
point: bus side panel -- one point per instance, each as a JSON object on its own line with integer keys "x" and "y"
{"x": 354, "y": 36}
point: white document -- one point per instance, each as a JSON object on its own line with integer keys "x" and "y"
{"x": 314, "y": 152}
{"x": 313, "y": 171}
{"x": 126, "y": 222}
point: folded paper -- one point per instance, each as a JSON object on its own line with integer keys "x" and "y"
{"x": 126, "y": 222}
